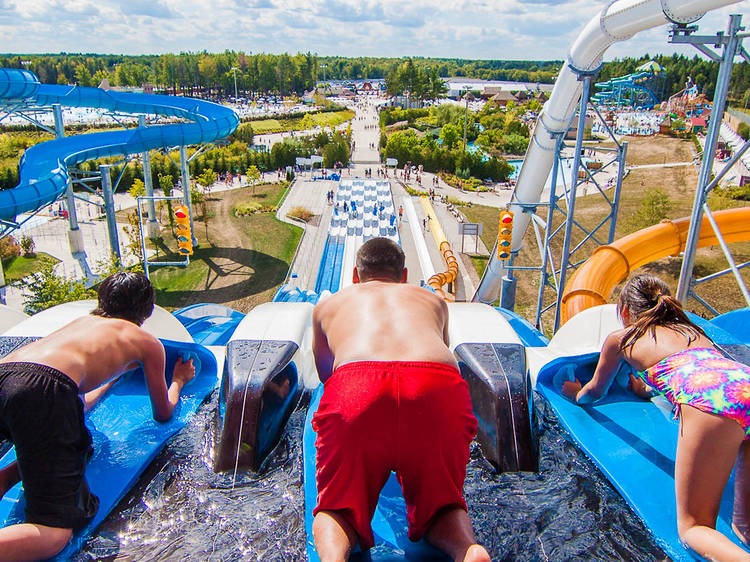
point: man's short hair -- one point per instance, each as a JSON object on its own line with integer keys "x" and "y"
{"x": 380, "y": 257}
{"x": 125, "y": 295}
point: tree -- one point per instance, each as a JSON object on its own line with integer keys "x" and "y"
{"x": 253, "y": 175}
{"x": 450, "y": 135}
{"x": 133, "y": 231}
{"x": 166, "y": 183}
{"x": 27, "y": 245}
{"x": 45, "y": 289}
{"x": 206, "y": 180}
{"x": 137, "y": 189}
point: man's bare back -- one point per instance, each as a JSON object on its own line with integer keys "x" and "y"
{"x": 380, "y": 321}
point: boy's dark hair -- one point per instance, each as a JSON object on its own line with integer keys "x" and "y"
{"x": 650, "y": 304}
{"x": 380, "y": 257}
{"x": 128, "y": 296}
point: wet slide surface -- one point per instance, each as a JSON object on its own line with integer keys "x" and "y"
{"x": 126, "y": 438}
{"x": 633, "y": 442}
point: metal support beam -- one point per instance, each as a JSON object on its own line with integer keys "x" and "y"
{"x": 572, "y": 194}
{"x": 152, "y": 227}
{"x": 109, "y": 205}
{"x": 75, "y": 236}
{"x": 731, "y": 43}
{"x": 185, "y": 174}
{"x": 548, "y": 235}
{"x": 622, "y": 156}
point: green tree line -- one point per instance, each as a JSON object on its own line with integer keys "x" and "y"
{"x": 193, "y": 73}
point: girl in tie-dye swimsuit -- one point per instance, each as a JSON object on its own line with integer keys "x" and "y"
{"x": 711, "y": 396}
{"x": 703, "y": 378}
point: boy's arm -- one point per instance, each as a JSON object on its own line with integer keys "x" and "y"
{"x": 163, "y": 399}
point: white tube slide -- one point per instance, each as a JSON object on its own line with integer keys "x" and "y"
{"x": 618, "y": 21}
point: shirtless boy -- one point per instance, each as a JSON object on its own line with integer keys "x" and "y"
{"x": 393, "y": 400}
{"x": 42, "y": 414}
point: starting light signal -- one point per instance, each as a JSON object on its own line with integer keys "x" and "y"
{"x": 504, "y": 235}
{"x": 182, "y": 230}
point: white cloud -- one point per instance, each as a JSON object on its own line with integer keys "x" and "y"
{"x": 488, "y": 29}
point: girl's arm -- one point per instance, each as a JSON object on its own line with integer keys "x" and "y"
{"x": 606, "y": 370}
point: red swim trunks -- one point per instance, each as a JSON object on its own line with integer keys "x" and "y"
{"x": 375, "y": 417}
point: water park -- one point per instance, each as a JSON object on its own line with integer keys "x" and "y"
{"x": 246, "y": 263}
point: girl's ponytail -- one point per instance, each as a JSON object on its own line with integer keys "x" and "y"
{"x": 649, "y": 302}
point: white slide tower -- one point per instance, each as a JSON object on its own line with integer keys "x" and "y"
{"x": 618, "y": 21}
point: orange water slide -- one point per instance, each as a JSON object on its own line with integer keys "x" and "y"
{"x": 449, "y": 275}
{"x": 593, "y": 282}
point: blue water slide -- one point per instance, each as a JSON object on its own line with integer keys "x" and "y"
{"x": 209, "y": 323}
{"x": 43, "y": 169}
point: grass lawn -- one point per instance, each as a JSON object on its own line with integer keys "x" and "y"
{"x": 240, "y": 261}
{"x": 280, "y": 125}
{"x": 16, "y": 269}
{"x": 677, "y": 183}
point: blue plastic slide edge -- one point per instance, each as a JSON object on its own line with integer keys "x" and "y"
{"x": 633, "y": 442}
{"x": 126, "y": 437}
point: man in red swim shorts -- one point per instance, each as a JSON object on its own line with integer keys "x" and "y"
{"x": 393, "y": 400}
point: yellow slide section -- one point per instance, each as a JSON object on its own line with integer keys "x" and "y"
{"x": 593, "y": 282}
{"x": 439, "y": 279}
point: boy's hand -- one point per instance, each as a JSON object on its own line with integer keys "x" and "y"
{"x": 183, "y": 372}
{"x": 570, "y": 389}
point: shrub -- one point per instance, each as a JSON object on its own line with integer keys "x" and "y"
{"x": 300, "y": 213}
{"x": 247, "y": 209}
{"x": 743, "y": 130}
{"x": 9, "y": 248}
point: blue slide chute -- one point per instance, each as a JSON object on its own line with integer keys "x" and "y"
{"x": 43, "y": 169}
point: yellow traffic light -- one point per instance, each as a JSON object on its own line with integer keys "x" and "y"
{"x": 182, "y": 229}
{"x": 504, "y": 235}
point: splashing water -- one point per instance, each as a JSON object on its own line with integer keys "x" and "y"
{"x": 180, "y": 509}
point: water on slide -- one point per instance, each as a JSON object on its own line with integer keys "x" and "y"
{"x": 180, "y": 509}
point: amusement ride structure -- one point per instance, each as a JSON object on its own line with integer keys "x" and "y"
{"x": 262, "y": 362}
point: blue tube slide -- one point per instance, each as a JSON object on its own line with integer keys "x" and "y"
{"x": 43, "y": 167}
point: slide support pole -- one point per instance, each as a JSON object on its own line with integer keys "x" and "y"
{"x": 109, "y": 207}
{"x": 565, "y": 261}
{"x": 730, "y": 42}
{"x": 185, "y": 171}
{"x": 152, "y": 227}
{"x": 75, "y": 236}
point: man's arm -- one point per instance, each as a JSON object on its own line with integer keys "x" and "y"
{"x": 163, "y": 399}
{"x": 322, "y": 353}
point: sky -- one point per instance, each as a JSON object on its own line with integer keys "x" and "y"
{"x": 474, "y": 29}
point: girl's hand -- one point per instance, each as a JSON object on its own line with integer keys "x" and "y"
{"x": 570, "y": 389}
{"x": 640, "y": 388}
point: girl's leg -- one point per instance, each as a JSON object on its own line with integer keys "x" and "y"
{"x": 706, "y": 451}
{"x": 741, "y": 517}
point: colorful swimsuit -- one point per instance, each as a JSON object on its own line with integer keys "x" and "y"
{"x": 705, "y": 379}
